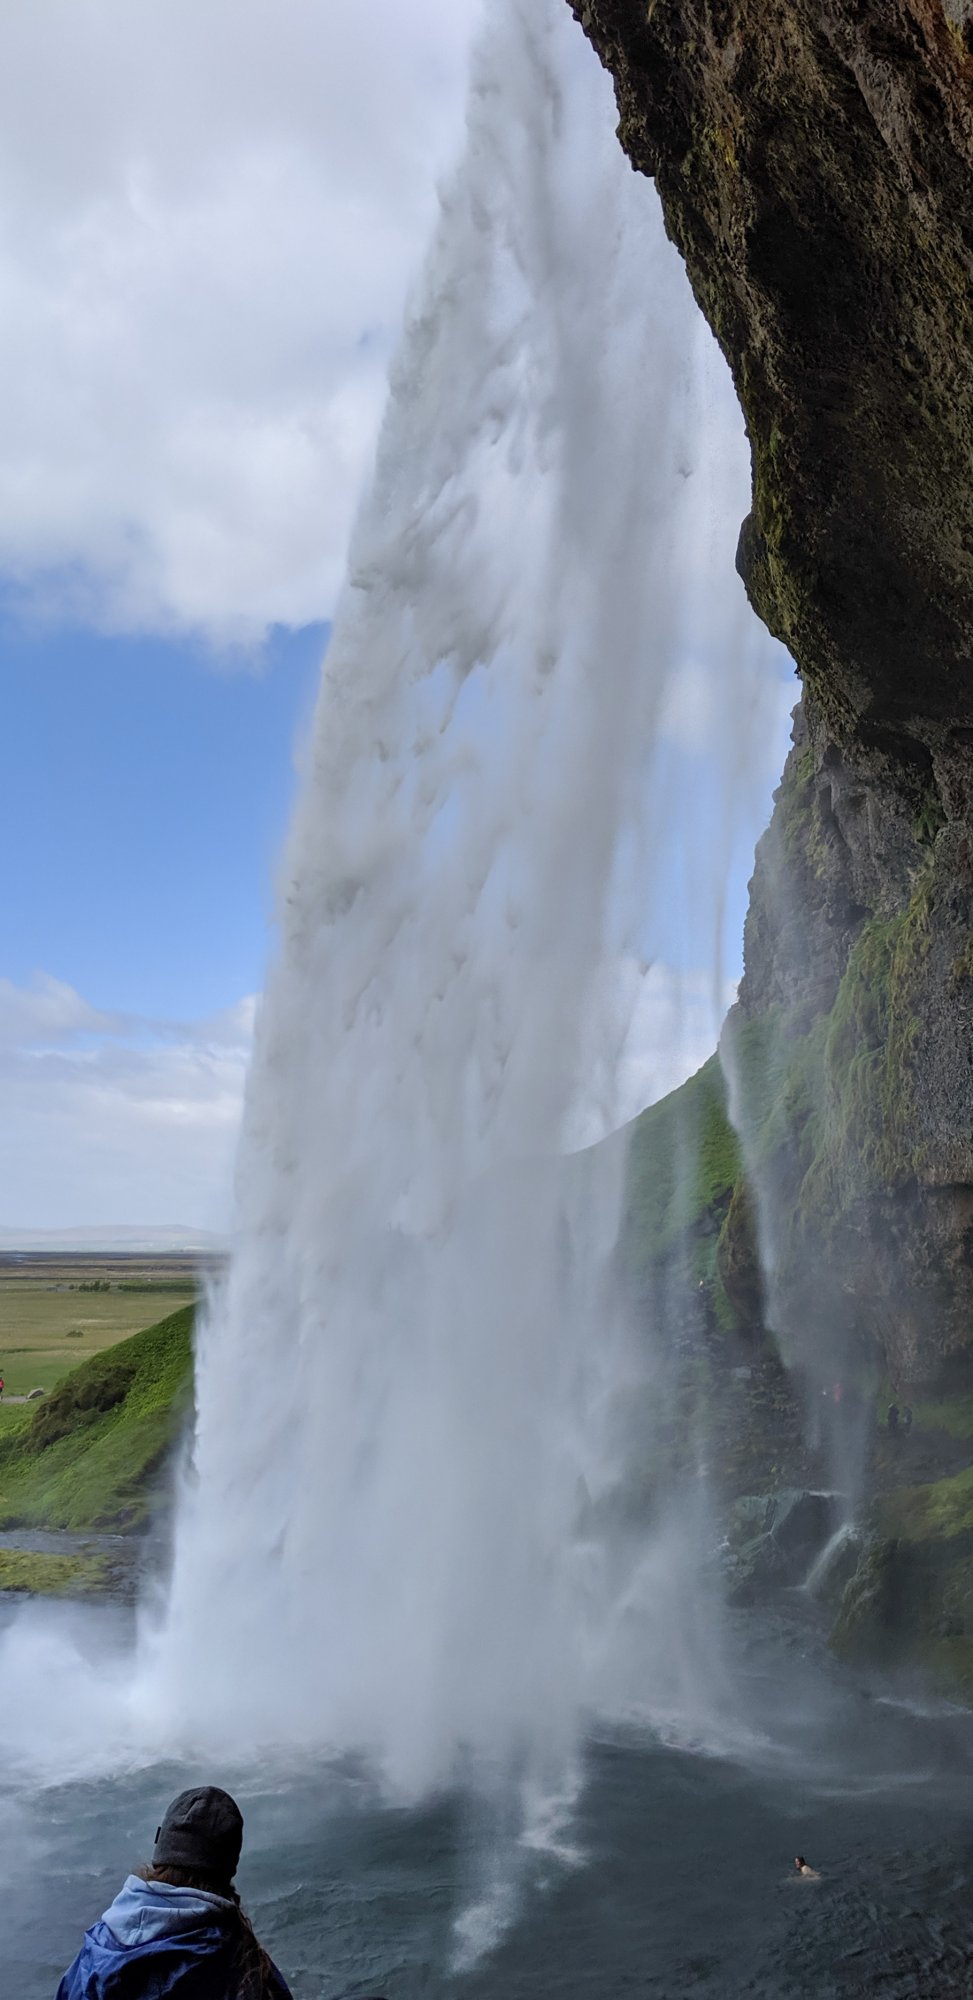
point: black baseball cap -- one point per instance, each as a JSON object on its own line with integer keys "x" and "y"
{"x": 202, "y": 1831}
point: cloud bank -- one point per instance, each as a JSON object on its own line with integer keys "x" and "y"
{"x": 111, "y": 1119}
{"x": 210, "y": 211}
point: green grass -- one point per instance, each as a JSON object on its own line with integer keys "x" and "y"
{"x": 955, "y": 1417}
{"x": 53, "y": 1575}
{"x": 51, "y": 1319}
{"x": 90, "y": 1455}
{"x": 938, "y": 1511}
{"x": 684, "y": 1161}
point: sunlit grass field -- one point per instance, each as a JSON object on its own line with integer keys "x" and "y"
{"x": 50, "y": 1319}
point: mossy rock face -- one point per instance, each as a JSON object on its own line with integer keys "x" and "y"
{"x": 853, "y": 1083}
{"x": 879, "y": 1618}
{"x": 738, "y": 1258}
{"x": 910, "y": 1602}
{"x": 690, "y": 1257}
{"x": 773, "y": 1538}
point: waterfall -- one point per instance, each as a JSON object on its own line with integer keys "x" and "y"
{"x": 431, "y": 1514}
{"x": 412, "y": 1389}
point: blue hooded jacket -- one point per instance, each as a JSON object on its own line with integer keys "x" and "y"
{"x": 157, "y": 1940}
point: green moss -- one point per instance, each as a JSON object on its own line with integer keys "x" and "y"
{"x": 955, "y": 1417}
{"x": 930, "y": 816}
{"x": 797, "y": 816}
{"x": 868, "y": 1613}
{"x": 779, "y": 1073}
{"x": 872, "y": 1039}
{"x": 829, "y": 1112}
{"x": 89, "y": 1455}
{"x": 962, "y": 966}
{"x": 910, "y": 1602}
{"x": 948, "y": 1660}
{"x": 719, "y": 141}
{"x": 683, "y": 1166}
{"x": 938, "y": 1511}
{"x": 54, "y": 1575}
{"x": 684, "y": 1161}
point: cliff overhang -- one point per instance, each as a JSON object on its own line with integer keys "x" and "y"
{"x": 815, "y": 165}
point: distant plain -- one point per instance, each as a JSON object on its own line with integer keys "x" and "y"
{"x": 51, "y": 1318}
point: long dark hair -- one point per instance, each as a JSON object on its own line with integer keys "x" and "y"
{"x": 252, "y": 1963}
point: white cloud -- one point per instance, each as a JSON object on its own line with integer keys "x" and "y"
{"x": 209, "y": 214}
{"x": 49, "y": 1011}
{"x": 110, "y": 1119}
{"x": 674, "y": 1026}
{"x": 649, "y": 1028}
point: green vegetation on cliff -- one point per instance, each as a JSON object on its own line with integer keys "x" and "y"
{"x": 871, "y": 1131}
{"x": 684, "y": 1160}
{"x": 91, "y": 1454}
{"x": 683, "y": 1167}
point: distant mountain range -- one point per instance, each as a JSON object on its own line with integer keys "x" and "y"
{"x": 172, "y": 1237}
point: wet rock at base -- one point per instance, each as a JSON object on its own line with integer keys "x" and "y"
{"x": 773, "y": 1538}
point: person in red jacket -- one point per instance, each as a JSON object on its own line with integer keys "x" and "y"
{"x": 176, "y": 1931}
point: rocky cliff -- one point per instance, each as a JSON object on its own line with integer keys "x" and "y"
{"x": 815, "y": 164}
{"x": 814, "y": 161}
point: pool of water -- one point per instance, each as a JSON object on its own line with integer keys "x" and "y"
{"x": 668, "y": 1874}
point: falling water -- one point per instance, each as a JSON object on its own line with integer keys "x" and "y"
{"x": 412, "y": 1390}
{"x": 425, "y": 1520}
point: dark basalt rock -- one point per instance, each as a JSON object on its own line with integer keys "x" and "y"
{"x": 815, "y": 163}
{"x": 773, "y": 1538}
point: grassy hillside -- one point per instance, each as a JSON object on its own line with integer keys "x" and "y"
{"x": 90, "y": 1455}
{"x": 683, "y": 1169}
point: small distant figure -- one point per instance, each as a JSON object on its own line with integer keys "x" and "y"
{"x": 907, "y": 1419}
{"x": 804, "y": 1868}
{"x": 1, "y": 1388}
{"x": 837, "y": 1392}
{"x": 892, "y": 1419}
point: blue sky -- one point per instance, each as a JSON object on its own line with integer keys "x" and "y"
{"x": 211, "y": 212}
{"x": 145, "y": 791}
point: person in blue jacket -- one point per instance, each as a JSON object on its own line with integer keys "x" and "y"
{"x": 177, "y": 1929}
